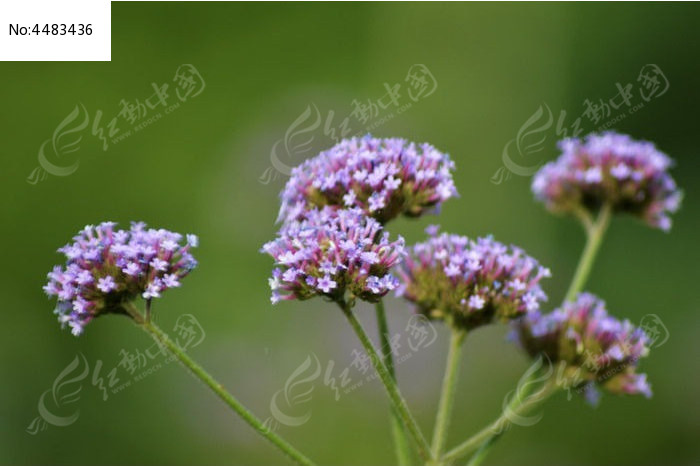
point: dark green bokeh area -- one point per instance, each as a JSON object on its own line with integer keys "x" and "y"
{"x": 197, "y": 170}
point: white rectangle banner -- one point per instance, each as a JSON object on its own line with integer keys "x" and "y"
{"x": 58, "y": 30}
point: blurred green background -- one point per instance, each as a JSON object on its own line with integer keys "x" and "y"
{"x": 198, "y": 169}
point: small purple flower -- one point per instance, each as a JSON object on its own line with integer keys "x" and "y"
{"x": 349, "y": 199}
{"x": 331, "y": 252}
{"x": 325, "y": 284}
{"x": 632, "y": 176}
{"x": 370, "y": 257}
{"x": 80, "y": 305}
{"x": 192, "y": 240}
{"x": 152, "y": 291}
{"x": 169, "y": 245}
{"x": 84, "y": 277}
{"x": 476, "y": 302}
{"x": 376, "y": 202}
{"x": 133, "y": 269}
{"x": 159, "y": 265}
{"x": 106, "y": 268}
{"x": 51, "y": 289}
{"x": 393, "y": 184}
{"x": 389, "y": 282}
{"x": 170, "y": 280}
{"x": 594, "y": 348}
{"x": 275, "y": 297}
{"x": 328, "y": 267}
{"x": 454, "y": 278}
{"x": 106, "y": 284}
{"x": 383, "y": 177}
{"x": 374, "y": 284}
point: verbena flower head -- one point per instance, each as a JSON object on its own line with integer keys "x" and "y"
{"x": 597, "y": 349}
{"x": 331, "y": 252}
{"x": 632, "y": 176}
{"x": 470, "y": 283}
{"x": 383, "y": 177}
{"x": 106, "y": 268}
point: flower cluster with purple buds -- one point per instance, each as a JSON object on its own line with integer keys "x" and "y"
{"x": 383, "y": 177}
{"x": 330, "y": 252}
{"x": 332, "y": 244}
{"x": 596, "y": 348}
{"x": 470, "y": 283}
{"x": 106, "y": 268}
{"x": 631, "y": 176}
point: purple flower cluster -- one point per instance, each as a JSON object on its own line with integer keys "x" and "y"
{"x": 330, "y": 252}
{"x": 471, "y": 283}
{"x": 383, "y": 177}
{"x": 106, "y": 268}
{"x": 632, "y": 176}
{"x": 597, "y": 349}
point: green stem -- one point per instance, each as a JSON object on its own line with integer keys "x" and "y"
{"x": 384, "y": 339}
{"x": 389, "y": 384}
{"x": 449, "y": 383}
{"x": 482, "y": 451}
{"x": 595, "y": 232}
{"x": 162, "y": 338}
{"x": 401, "y": 445}
{"x": 516, "y": 407}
